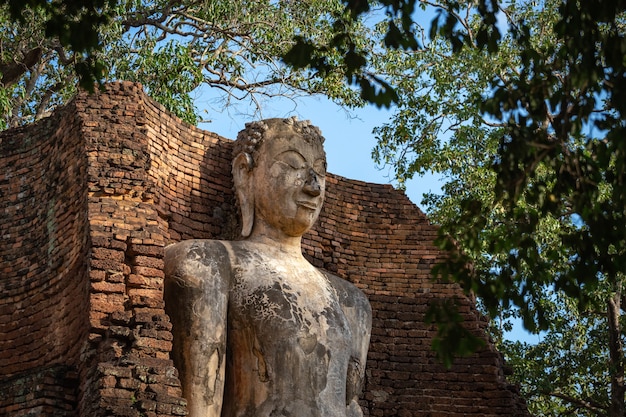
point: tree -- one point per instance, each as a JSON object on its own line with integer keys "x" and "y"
{"x": 172, "y": 48}
{"x": 533, "y": 214}
{"x": 72, "y": 25}
{"x": 568, "y": 371}
{"x": 527, "y": 133}
{"x": 36, "y": 72}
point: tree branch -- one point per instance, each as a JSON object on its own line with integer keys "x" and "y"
{"x": 590, "y": 405}
{"x": 12, "y": 71}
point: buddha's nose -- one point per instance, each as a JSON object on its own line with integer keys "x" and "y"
{"x": 312, "y": 186}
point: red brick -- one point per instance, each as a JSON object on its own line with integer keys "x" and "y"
{"x": 110, "y": 180}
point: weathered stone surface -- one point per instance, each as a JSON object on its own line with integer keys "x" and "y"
{"x": 258, "y": 330}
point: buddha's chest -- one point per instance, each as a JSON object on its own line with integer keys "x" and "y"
{"x": 287, "y": 301}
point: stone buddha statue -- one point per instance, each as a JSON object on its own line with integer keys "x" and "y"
{"x": 259, "y": 331}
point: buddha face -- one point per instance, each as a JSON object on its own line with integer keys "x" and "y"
{"x": 288, "y": 182}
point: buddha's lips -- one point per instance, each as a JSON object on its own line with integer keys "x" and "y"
{"x": 307, "y": 204}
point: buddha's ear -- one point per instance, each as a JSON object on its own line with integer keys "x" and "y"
{"x": 242, "y": 178}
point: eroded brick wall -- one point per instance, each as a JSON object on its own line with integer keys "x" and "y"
{"x": 151, "y": 180}
{"x": 129, "y": 369}
{"x": 43, "y": 273}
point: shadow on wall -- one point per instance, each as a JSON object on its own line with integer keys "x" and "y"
{"x": 191, "y": 172}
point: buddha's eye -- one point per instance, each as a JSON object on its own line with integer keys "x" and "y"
{"x": 292, "y": 159}
{"x": 320, "y": 167}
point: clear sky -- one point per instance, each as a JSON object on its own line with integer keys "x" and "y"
{"x": 349, "y": 137}
{"x": 349, "y": 143}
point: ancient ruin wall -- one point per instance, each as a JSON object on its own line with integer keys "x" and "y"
{"x": 43, "y": 273}
{"x": 152, "y": 180}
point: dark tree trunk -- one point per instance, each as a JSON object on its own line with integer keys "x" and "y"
{"x": 616, "y": 351}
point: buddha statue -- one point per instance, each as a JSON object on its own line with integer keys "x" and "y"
{"x": 259, "y": 331}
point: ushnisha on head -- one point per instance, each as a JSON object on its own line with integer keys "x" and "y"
{"x": 249, "y": 140}
{"x": 279, "y": 170}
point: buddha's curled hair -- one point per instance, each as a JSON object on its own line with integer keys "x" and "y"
{"x": 250, "y": 139}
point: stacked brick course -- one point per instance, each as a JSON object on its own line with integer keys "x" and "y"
{"x": 49, "y": 391}
{"x": 375, "y": 237}
{"x": 43, "y": 270}
{"x": 89, "y": 199}
{"x": 129, "y": 371}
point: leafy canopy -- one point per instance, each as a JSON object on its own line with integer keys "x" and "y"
{"x": 525, "y": 128}
{"x": 172, "y": 48}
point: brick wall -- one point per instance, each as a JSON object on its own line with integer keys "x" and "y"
{"x": 129, "y": 372}
{"x": 136, "y": 178}
{"x": 48, "y": 391}
{"x": 43, "y": 251}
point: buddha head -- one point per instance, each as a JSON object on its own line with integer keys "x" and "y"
{"x": 279, "y": 172}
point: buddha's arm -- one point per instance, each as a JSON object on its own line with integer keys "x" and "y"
{"x": 197, "y": 274}
{"x": 360, "y": 317}
{"x": 358, "y": 311}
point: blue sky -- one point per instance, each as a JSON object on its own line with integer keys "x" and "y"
{"x": 349, "y": 137}
{"x": 349, "y": 142}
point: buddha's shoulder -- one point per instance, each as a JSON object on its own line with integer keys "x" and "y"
{"x": 348, "y": 293}
{"x": 196, "y": 258}
{"x": 195, "y": 249}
